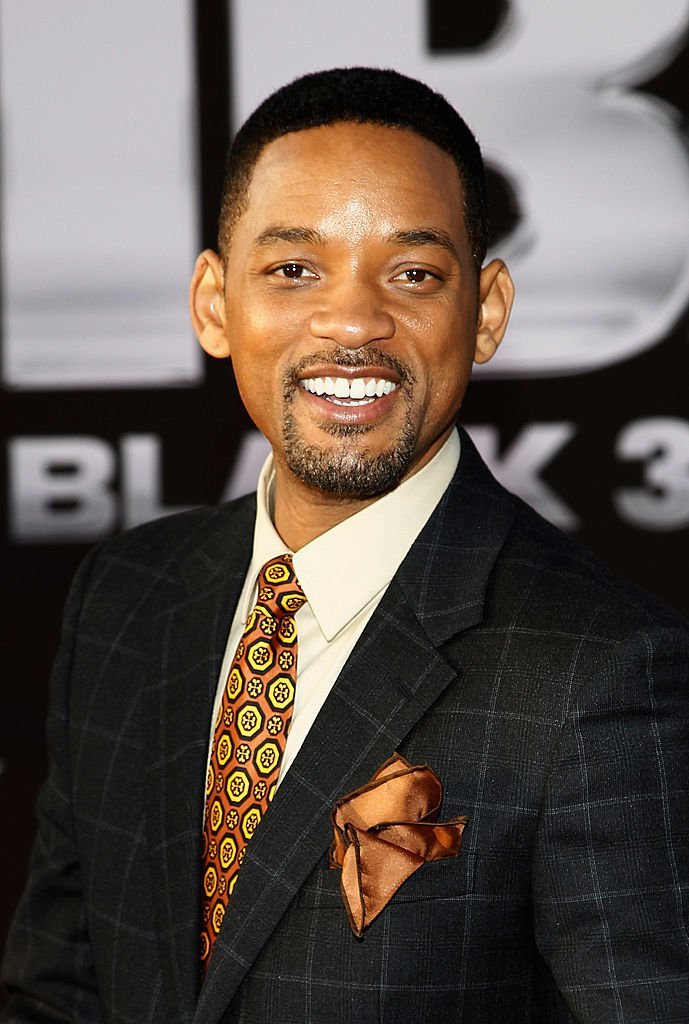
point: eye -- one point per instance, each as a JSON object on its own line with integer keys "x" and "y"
{"x": 294, "y": 272}
{"x": 416, "y": 275}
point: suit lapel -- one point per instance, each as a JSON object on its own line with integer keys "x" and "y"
{"x": 393, "y": 676}
{"x": 188, "y": 639}
{"x": 447, "y": 572}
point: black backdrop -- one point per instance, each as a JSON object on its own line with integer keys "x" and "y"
{"x": 199, "y": 428}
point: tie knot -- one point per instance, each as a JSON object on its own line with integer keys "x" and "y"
{"x": 279, "y": 590}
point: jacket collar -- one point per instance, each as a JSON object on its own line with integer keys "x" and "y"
{"x": 447, "y": 572}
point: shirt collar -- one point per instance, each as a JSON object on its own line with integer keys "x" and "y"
{"x": 348, "y": 566}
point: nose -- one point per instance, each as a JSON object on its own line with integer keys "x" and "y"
{"x": 352, "y": 315}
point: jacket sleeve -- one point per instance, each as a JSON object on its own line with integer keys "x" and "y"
{"x": 48, "y": 967}
{"x": 611, "y": 871}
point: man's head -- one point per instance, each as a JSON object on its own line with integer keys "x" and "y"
{"x": 364, "y": 96}
{"x": 350, "y": 296}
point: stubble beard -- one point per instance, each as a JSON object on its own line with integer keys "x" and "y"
{"x": 350, "y": 470}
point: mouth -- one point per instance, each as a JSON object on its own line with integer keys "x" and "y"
{"x": 350, "y": 392}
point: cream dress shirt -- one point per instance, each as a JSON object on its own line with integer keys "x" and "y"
{"x": 344, "y": 574}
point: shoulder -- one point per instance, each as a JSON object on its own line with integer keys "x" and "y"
{"x": 153, "y": 563}
{"x": 557, "y": 580}
{"x": 167, "y": 542}
{"x": 540, "y": 572}
{"x": 560, "y": 627}
{"x": 173, "y": 537}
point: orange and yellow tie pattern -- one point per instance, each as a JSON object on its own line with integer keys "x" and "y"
{"x": 249, "y": 738}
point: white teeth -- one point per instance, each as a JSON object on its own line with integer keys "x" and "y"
{"x": 360, "y": 389}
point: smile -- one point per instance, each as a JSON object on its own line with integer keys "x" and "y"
{"x": 343, "y": 391}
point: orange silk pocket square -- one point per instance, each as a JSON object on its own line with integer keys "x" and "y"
{"x": 384, "y": 831}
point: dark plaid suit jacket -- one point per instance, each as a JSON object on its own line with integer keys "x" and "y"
{"x": 550, "y": 699}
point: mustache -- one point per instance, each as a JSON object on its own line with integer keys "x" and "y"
{"x": 359, "y": 359}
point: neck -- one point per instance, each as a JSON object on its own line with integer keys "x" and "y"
{"x": 302, "y": 513}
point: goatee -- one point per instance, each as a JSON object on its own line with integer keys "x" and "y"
{"x": 349, "y": 470}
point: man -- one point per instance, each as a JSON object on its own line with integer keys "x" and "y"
{"x": 444, "y": 622}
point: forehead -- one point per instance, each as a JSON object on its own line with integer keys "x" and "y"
{"x": 373, "y": 166}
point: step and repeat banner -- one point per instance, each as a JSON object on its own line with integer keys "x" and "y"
{"x": 115, "y": 120}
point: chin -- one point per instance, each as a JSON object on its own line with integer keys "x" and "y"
{"x": 351, "y": 473}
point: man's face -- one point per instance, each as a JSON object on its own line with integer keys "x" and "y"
{"x": 351, "y": 305}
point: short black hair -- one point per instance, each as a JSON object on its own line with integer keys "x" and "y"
{"x": 364, "y": 96}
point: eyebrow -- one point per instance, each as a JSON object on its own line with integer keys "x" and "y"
{"x": 412, "y": 237}
{"x": 275, "y": 233}
{"x": 426, "y": 236}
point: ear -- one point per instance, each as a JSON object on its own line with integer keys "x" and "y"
{"x": 496, "y": 295}
{"x": 207, "y": 304}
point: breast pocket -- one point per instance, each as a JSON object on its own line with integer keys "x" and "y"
{"x": 426, "y": 922}
{"x": 442, "y": 880}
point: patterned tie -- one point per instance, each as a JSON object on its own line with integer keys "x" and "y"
{"x": 249, "y": 739}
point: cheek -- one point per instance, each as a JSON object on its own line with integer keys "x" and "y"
{"x": 263, "y": 403}
{"x": 259, "y": 381}
{"x": 264, "y": 336}
{"x": 252, "y": 345}
{"x": 446, "y": 364}
{"x": 446, "y": 377}
{"x": 446, "y": 395}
